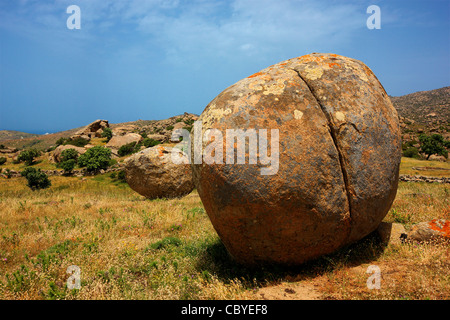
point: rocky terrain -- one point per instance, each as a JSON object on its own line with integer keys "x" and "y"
{"x": 424, "y": 112}
{"x": 123, "y": 133}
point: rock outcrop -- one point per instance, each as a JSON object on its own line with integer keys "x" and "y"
{"x": 118, "y": 141}
{"x": 152, "y": 173}
{"x": 56, "y": 156}
{"x": 339, "y": 157}
{"x": 94, "y": 129}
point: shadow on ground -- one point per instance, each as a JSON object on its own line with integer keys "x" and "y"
{"x": 216, "y": 260}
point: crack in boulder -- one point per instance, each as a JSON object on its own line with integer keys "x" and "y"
{"x": 334, "y": 138}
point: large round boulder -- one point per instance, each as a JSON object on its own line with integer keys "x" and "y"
{"x": 153, "y": 173}
{"x": 336, "y": 171}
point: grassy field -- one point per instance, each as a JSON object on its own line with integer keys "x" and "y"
{"x": 127, "y": 247}
{"x": 413, "y": 166}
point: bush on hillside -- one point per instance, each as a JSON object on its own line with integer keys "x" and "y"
{"x": 95, "y": 158}
{"x": 148, "y": 142}
{"x": 36, "y": 178}
{"x": 107, "y": 133}
{"x": 28, "y": 156}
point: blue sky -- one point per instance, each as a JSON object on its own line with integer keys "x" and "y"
{"x": 153, "y": 59}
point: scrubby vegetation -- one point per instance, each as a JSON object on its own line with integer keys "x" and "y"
{"x": 95, "y": 158}
{"x": 433, "y": 144}
{"x": 148, "y": 142}
{"x": 36, "y": 178}
{"x": 128, "y": 247}
{"x": 107, "y": 133}
{"x": 28, "y": 156}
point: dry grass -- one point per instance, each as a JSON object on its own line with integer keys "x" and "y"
{"x": 128, "y": 247}
{"x": 408, "y": 164}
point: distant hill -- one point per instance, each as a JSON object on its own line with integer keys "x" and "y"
{"x": 423, "y": 112}
{"x": 425, "y": 107}
{"x": 12, "y": 135}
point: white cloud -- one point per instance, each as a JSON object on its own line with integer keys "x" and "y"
{"x": 201, "y": 29}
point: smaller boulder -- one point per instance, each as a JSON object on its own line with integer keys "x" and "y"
{"x": 157, "y": 137}
{"x": 118, "y": 141}
{"x": 57, "y": 152}
{"x": 153, "y": 174}
{"x": 434, "y": 230}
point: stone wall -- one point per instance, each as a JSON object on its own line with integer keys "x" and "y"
{"x": 408, "y": 178}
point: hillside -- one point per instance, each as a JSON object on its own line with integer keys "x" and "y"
{"x": 14, "y": 135}
{"x": 424, "y": 112}
{"x": 425, "y": 107}
{"x": 419, "y": 112}
{"x": 43, "y": 142}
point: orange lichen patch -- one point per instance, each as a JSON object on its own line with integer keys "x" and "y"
{"x": 255, "y": 75}
{"x": 160, "y": 151}
{"x": 442, "y": 226}
{"x": 310, "y": 58}
{"x": 332, "y": 64}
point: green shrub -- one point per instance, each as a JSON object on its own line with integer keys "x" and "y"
{"x": 411, "y": 152}
{"x": 28, "y": 156}
{"x": 61, "y": 141}
{"x": 36, "y": 178}
{"x": 69, "y": 154}
{"x": 121, "y": 175}
{"x": 148, "y": 142}
{"x": 143, "y": 134}
{"x": 2, "y": 160}
{"x": 112, "y": 162}
{"x": 433, "y": 144}
{"x": 169, "y": 128}
{"x": 95, "y": 158}
{"x": 127, "y": 149}
{"x": 77, "y": 142}
{"x": 68, "y": 165}
{"x": 107, "y": 133}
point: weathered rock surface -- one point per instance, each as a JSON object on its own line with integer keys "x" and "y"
{"x": 152, "y": 173}
{"x": 434, "y": 230}
{"x": 57, "y": 152}
{"x": 339, "y": 157}
{"x": 157, "y": 137}
{"x": 122, "y": 130}
{"x": 117, "y": 141}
